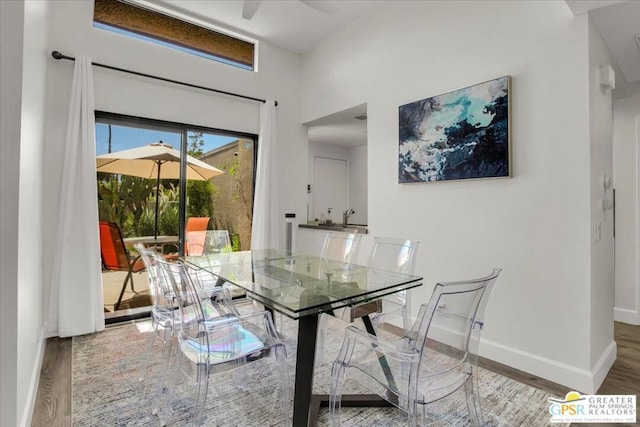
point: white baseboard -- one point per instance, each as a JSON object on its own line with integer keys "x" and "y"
{"x": 623, "y": 315}
{"x": 577, "y": 379}
{"x": 601, "y": 368}
{"x": 51, "y": 329}
{"x": 32, "y": 393}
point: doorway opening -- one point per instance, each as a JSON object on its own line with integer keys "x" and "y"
{"x": 154, "y": 207}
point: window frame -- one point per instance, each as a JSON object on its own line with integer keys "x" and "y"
{"x": 105, "y": 117}
{"x": 169, "y": 27}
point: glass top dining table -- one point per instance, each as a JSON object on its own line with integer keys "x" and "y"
{"x": 301, "y": 287}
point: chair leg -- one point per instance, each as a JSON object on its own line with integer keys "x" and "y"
{"x": 202, "y": 386}
{"x": 131, "y": 279}
{"x": 285, "y": 404}
{"x": 406, "y": 317}
{"x": 149, "y": 352}
{"x": 322, "y": 331}
{"x": 116, "y": 307}
{"x": 131, "y": 265}
{"x": 338, "y": 374}
{"x": 165, "y": 380}
{"x": 412, "y": 419}
{"x": 473, "y": 401}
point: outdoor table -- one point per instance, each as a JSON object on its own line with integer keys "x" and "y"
{"x": 157, "y": 243}
{"x": 302, "y": 287}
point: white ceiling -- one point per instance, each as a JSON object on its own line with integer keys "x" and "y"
{"x": 290, "y": 24}
{"x": 295, "y": 26}
{"x": 618, "y": 22}
{"x": 341, "y": 128}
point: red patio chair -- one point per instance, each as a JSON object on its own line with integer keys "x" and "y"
{"x": 195, "y": 234}
{"x": 116, "y": 257}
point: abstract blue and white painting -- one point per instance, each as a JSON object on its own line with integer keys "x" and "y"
{"x": 462, "y": 134}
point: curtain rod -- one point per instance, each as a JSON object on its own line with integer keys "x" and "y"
{"x": 58, "y": 55}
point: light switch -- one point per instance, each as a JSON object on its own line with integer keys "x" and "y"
{"x": 598, "y": 234}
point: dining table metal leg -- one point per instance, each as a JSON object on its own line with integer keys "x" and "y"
{"x": 305, "y": 361}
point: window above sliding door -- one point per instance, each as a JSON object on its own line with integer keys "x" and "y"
{"x": 141, "y": 20}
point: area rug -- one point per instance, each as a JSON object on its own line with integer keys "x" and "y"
{"x": 114, "y": 383}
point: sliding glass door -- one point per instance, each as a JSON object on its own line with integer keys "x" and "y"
{"x": 158, "y": 180}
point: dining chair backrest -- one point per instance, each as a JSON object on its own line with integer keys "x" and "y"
{"x": 176, "y": 275}
{"x": 160, "y": 293}
{"x": 197, "y": 223}
{"x": 343, "y": 247}
{"x": 218, "y": 241}
{"x": 397, "y": 255}
{"x": 457, "y": 308}
{"x": 393, "y": 254}
{"x": 194, "y": 232}
{"x": 208, "y": 242}
{"x": 112, "y": 248}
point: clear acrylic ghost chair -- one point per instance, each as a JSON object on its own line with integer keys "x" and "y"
{"x": 210, "y": 346}
{"x": 215, "y": 242}
{"x": 343, "y": 247}
{"x": 162, "y": 305}
{"x": 164, "y": 309}
{"x": 203, "y": 243}
{"x": 208, "y": 242}
{"x": 217, "y": 300}
{"x": 437, "y": 357}
{"x": 397, "y": 255}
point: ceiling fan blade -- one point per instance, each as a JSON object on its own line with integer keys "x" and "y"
{"x": 325, "y": 6}
{"x": 249, "y": 8}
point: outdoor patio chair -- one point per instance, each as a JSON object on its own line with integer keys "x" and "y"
{"x": 194, "y": 232}
{"x": 116, "y": 257}
{"x": 436, "y": 358}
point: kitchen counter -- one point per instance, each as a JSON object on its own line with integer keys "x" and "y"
{"x": 350, "y": 228}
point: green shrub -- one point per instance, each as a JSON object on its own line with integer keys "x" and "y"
{"x": 235, "y": 242}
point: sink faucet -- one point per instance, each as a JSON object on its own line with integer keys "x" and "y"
{"x": 346, "y": 215}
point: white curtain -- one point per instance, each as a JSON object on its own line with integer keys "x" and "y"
{"x": 264, "y": 232}
{"x": 76, "y": 301}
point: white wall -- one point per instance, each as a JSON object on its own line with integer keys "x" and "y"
{"x": 72, "y": 32}
{"x": 536, "y": 225}
{"x": 11, "y": 45}
{"x": 626, "y": 147}
{"x": 358, "y": 184}
{"x": 30, "y": 255}
{"x": 603, "y": 350}
{"x": 24, "y": 28}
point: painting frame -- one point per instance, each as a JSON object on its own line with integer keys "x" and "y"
{"x": 464, "y": 134}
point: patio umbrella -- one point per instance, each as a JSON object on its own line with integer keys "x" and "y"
{"x": 154, "y": 161}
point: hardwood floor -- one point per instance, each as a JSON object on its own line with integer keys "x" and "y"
{"x": 53, "y": 401}
{"x": 624, "y": 376}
